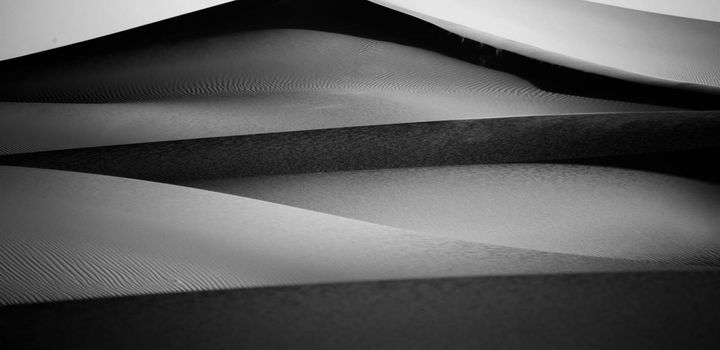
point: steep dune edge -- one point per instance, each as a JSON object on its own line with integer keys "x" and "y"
{"x": 75, "y": 236}
{"x": 623, "y": 43}
{"x": 592, "y": 211}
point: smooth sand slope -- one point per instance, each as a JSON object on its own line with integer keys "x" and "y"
{"x": 71, "y": 236}
{"x": 619, "y": 42}
{"x": 259, "y": 82}
{"x": 589, "y": 311}
{"x": 592, "y": 211}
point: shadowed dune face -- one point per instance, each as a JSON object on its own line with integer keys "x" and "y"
{"x": 586, "y": 311}
{"x": 584, "y": 210}
{"x": 619, "y": 42}
{"x": 75, "y": 236}
{"x": 680, "y": 143}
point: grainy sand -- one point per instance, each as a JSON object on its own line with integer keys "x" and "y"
{"x": 619, "y": 42}
{"x": 584, "y": 210}
{"x": 259, "y": 82}
{"x": 285, "y": 60}
{"x": 569, "y": 138}
{"x": 76, "y": 236}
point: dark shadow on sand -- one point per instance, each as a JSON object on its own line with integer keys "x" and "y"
{"x": 655, "y": 310}
{"x": 679, "y": 143}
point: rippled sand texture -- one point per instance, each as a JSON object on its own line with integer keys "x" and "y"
{"x": 74, "y": 236}
{"x": 593, "y": 211}
{"x": 259, "y": 82}
{"x": 629, "y": 44}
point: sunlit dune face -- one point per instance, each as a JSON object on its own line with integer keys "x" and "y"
{"x": 641, "y": 46}
{"x": 570, "y": 209}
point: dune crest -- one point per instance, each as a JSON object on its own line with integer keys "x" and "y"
{"x": 618, "y": 42}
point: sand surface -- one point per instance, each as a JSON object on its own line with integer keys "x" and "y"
{"x": 324, "y": 190}
{"x": 675, "y": 142}
{"x": 75, "y": 236}
{"x": 588, "y": 311}
{"x": 619, "y": 42}
{"x": 592, "y": 211}
{"x": 259, "y": 82}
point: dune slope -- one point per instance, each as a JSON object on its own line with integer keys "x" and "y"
{"x": 72, "y": 236}
{"x": 619, "y": 42}
{"x": 681, "y": 142}
{"x": 280, "y": 60}
{"x": 262, "y": 81}
{"x": 592, "y": 211}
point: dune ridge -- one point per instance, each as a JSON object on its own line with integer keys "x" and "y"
{"x": 619, "y": 42}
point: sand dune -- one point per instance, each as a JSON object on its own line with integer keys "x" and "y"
{"x": 681, "y": 142}
{"x": 619, "y": 42}
{"x": 287, "y": 60}
{"x": 74, "y": 236}
{"x": 325, "y": 190}
{"x": 264, "y": 81}
{"x": 588, "y": 311}
{"x": 592, "y": 211}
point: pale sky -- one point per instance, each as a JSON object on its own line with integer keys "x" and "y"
{"x": 708, "y": 10}
{"x": 29, "y": 26}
